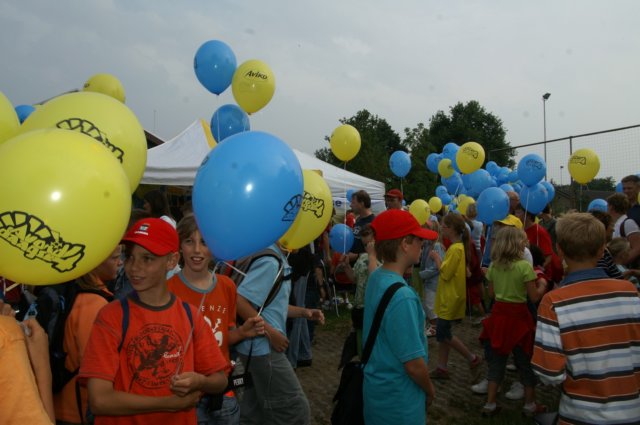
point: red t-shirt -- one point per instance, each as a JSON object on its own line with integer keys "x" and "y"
{"x": 153, "y": 346}
{"x": 537, "y": 235}
{"x": 218, "y": 308}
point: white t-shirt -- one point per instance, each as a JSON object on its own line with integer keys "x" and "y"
{"x": 630, "y": 226}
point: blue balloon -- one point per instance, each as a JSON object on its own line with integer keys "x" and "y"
{"x": 492, "y": 168}
{"x": 449, "y": 151}
{"x": 534, "y": 198}
{"x": 246, "y": 194}
{"x": 341, "y": 238}
{"x": 597, "y": 205}
{"x": 400, "y": 163}
{"x": 228, "y": 120}
{"x": 23, "y": 112}
{"x": 214, "y": 65}
{"x": 441, "y": 190}
{"x": 531, "y": 169}
{"x": 479, "y": 181}
{"x": 350, "y": 193}
{"x": 507, "y": 188}
{"x": 445, "y": 198}
{"x": 433, "y": 159}
{"x": 551, "y": 191}
{"x": 492, "y": 205}
{"x": 513, "y": 176}
{"x": 619, "y": 187}
{"x": 453, "y": 183}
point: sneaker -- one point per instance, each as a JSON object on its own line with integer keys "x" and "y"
{"x": 531, "y": 411}
{"x": 477, "y": 361}
{"x": 439, "y": 373}
{"x": 516, "y": 392}
{"x": 478, "y": 321}
{"x": 511, "y": 367}
{"x": 481, "y": 387}
{"x": 349, "y": 306}
{"x": 488, "y": 412}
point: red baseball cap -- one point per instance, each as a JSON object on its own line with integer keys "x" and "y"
{"x": 155, "y": 235}
{"x": 395, "y": 224}
{"x": 394, "y": 193}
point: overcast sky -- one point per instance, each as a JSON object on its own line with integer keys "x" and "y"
{"x": 402, "y": 60}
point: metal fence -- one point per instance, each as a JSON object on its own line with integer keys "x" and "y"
{"x": 618, "y": 150}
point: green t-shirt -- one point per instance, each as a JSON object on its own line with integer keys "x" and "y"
{"x": 509, "y": 282}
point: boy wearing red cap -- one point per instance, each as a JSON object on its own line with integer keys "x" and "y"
{"x": 396, "y": 377}
{"x": 140, "y": 364}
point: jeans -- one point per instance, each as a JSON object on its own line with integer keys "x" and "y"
{"x": 229, "y": 414}
{"x": 299, "y": 340}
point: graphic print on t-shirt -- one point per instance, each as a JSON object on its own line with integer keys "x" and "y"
{"x": 153, "y": 355}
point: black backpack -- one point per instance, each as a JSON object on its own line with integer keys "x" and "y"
{"x": 51, "y": 309}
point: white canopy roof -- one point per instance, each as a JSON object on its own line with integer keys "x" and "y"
{"x": 175, "y": 163}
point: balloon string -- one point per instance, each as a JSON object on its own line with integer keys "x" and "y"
{"x": 348, "y": 201}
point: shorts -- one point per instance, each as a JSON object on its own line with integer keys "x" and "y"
{"x": 443, "y": 330}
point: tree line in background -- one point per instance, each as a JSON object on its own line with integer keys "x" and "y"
{"x": 463, "y": 123}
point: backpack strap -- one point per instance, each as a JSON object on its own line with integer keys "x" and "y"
{"x": 189, "y": 315}
{"x": 124, "y": 302}
{"x": 623, "y": 232}
{"x": 377, "y": 320}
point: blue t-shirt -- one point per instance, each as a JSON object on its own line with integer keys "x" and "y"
{"x": 390, "y": 395}
{"x": 255, "y": 287}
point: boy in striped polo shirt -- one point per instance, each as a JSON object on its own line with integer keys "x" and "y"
{"x": 588, "y": 333}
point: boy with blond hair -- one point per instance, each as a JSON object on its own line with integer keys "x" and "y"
{"x": 588, "y": 332}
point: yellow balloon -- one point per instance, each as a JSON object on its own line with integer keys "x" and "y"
{"x": 345, "y": 142}
{"x": 314, "y": 214}
{"x": 420, "y": 210}
{"x": 104, "y": 119}
{"x": 584, "y": 165}
{"x": 470, "y": 157}
{"x": 445, "y": 168}
{"x": 435, "y": 204}
{"x": 464, "y": 202}
{"x": 253, "y": 85}
{"x": 105, "y": 84}
{"x": 9, "y": 122}
{"x": 65, "y": 205}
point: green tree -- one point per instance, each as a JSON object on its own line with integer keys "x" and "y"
{"x": 470, "y": 122}
{"x": 420, "y": 183}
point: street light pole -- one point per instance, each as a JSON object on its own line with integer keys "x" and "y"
{"x": 545, "y": 97}
{"x": 561, "y": 169}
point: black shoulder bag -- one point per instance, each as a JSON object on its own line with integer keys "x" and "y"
{"x": 349, "y": 408}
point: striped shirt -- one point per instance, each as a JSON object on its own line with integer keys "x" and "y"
{"x": 588, "y": 340}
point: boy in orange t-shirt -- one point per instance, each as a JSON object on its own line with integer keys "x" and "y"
{"x": 147, "y": 372}
{"x": 215, "y": 297}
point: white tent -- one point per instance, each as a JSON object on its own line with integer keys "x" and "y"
{"x": 174, "y": 163}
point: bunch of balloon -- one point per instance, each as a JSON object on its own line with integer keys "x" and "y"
{"x": 9, "y": 122}
{"x": 106, "y": 84}
{"x": 64, "y": 207}
{"x": 314, "y": 215}
{"x": 253, "y": 85}
{"x": 228, "y": 120}
{"x": 400, "y": 163}
{"x": 246, "y": 194}
{"x": 214, "y": 65}
{"x": 103, "y": 118}
{"x": 345, "y": 142}
{"x": 584, "y": 165}
{"x": 420, "y": 210}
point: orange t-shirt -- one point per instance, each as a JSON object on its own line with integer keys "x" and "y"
{"x": 218, "y": 308}
{"x": 154, "y": 346}
{"x": 77, "y": 329}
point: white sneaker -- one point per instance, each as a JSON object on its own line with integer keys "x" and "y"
{"x": 349, "y": 306}
{"x": 511, "y": 367}
{"x": 481, "y": 387}
{"x": 516, "y": 392}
